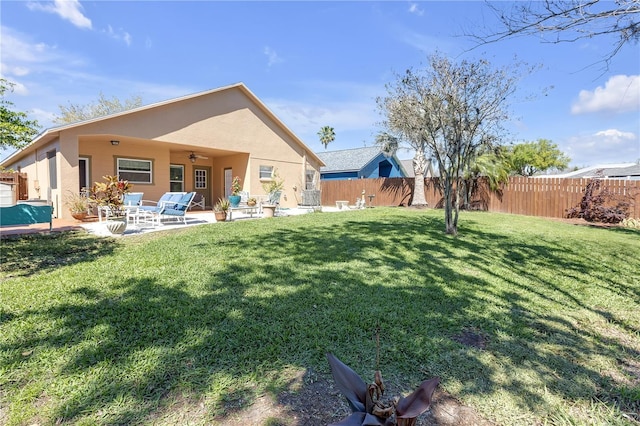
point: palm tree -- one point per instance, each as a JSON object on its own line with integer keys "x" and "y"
{"x": 389, "y": 145}
{"x": 493, "y": 167}
{"x": 327, "y": 135}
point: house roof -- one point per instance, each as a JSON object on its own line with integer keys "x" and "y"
{"x": 408, "y": 167}
{"x": 613, "y": 171}
{"x": 348, "y": 160}
{"x": 51, "y": 133}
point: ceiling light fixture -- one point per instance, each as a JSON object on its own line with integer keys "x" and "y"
{"x": 193, "y": 157}
{"x": 115, "y": 143}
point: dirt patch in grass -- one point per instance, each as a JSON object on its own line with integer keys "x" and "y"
{"x": 315, "y": 401}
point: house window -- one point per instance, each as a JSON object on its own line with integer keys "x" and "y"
{"x": 310, "y": 179}
{"x": 135, "y": 171}
{"x": 176, "y": 178}
{"x": 384, "y": 169}
{"x": 53, "y": 169}
{"x": 83, "y": 168}
{"x": 266, "y": 172}
{"x": 201, "y": 178}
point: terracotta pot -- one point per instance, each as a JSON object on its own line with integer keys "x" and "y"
{"x": 220, "y": 216}
{"x": 79, "y": 216}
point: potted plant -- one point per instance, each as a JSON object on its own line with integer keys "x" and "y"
{"x": 109, "y": 196}
{"x": 78, "y": 205}
{"x": 220, "y": 209}
{"x": 274, "y": 188}
{"x": 234, "y": 198}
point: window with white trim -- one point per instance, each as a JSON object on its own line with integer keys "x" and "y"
{"x": 176, "y": 178}
{"x": 135, "y": 171}
{"x": 266, "y": 172}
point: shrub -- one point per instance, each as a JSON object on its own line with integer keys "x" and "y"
{"x": 599, "y": 204}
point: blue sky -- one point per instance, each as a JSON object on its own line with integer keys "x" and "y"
{"x": 312, "y": 63}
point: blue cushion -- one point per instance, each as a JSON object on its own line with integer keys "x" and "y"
{"x": 165, "y": 197}
{"x": 185, "y": 200}
{"x": 132, "y": 199}
{"x": 173, "y": 212}
{"x": 173, "y": 200}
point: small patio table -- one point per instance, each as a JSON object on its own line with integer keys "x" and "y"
{"x": 247, "y": 209}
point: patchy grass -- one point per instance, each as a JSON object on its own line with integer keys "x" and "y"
{"x": 200, "y": 323}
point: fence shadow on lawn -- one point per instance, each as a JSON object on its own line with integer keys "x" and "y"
{"x": 155, "y": 340}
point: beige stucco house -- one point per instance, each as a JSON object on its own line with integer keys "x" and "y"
{"x": 196, "y": 143}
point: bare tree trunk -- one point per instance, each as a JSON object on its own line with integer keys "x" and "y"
{"x": 456, "y": 209}
{"x": 450, "y": 226}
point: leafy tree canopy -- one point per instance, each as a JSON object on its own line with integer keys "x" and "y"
{"x": 453, "y": 111}
{"x": 100, "y": 108}
{"x": 16, "y": 130}
{"x": 529, "y": 158}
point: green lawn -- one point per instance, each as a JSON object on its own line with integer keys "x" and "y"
{"x": 115, "y": 331}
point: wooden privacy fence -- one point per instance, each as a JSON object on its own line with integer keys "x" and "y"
{"x": 545, "y": 197}
{"x": 20, "y": 182}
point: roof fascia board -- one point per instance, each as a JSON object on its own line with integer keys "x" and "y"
{"x": 239, "y": 85}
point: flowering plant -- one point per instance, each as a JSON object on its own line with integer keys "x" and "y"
{"x": 235, "y": 186}
{"x": 110, "y": 193}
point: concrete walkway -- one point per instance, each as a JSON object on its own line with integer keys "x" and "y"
{"x": 94, "y": 227}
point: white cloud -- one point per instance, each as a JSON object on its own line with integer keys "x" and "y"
{"x": 306, "y": 118}
{"x": 272, "y": 56}
{"x": 621, "y": 93}
{"x": 16, "y": 48}
{"x": 118, "y": 34}
{"x": 606, "y": 146}
{"x": 42, "y": 116}
{"x": 415, "y": 9}
{"x": 21, "y": 57}
{"x": 20, "y": 71}
{"x": 69, "y": 10}
{"x": 615, "y": 136}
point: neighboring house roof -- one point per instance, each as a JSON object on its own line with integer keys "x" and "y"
{"x": 347, "y": 160}
{"x": 51, "y": 133}
{"x": 350, "y": 160}
{"x": 408, "y": 167}
{"x": 612, "y": 171}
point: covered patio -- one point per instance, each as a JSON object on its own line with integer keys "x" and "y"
{"x": 193, "y": 218}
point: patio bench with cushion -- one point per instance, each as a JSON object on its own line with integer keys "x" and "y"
{"x": 171, "y": 204}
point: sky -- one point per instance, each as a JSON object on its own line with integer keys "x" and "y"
{"x": 314, "y": 64}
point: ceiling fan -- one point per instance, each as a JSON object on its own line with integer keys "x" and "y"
{"x": 193, "y": 157}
